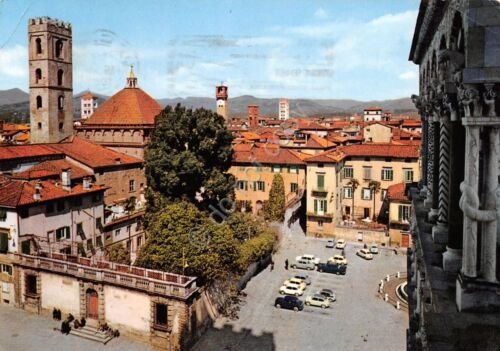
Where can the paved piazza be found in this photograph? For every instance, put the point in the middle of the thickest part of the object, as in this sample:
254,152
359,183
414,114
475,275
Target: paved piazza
358,320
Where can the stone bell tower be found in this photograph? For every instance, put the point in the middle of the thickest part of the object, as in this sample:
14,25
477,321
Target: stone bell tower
221,96
51,80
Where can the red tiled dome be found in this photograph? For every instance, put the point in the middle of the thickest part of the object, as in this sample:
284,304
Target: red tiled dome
128,106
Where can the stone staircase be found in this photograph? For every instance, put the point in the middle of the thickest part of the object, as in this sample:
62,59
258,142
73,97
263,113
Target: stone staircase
91,333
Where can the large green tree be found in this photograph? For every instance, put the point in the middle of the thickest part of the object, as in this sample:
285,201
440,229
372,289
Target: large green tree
119,254
184,240
188,158
275,207
354,184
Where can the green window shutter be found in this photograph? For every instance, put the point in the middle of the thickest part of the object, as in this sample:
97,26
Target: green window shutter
326,209
25,247
321,181
315,206
4,242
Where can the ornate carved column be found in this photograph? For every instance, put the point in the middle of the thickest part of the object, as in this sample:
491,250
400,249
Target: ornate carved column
440,230
430,162
433,213
424,157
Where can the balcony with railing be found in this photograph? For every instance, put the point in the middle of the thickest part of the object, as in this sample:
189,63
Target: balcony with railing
147,280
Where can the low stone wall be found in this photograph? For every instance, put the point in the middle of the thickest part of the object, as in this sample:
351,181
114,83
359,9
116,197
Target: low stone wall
363,235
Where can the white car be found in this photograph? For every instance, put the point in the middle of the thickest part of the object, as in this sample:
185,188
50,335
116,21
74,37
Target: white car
340,244
291,290
310,258
374,249
317,300
330,244
365,253
297,282
338,259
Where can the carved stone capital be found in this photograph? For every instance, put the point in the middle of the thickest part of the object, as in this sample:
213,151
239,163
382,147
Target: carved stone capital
489,98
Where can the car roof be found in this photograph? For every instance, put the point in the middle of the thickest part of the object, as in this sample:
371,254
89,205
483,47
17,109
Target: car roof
319,296
327,290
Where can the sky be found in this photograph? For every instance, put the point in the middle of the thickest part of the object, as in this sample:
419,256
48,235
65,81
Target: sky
332,49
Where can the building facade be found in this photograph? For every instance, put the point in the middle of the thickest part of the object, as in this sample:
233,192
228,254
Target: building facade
283,110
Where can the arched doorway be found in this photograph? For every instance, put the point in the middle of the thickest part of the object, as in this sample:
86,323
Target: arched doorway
92,304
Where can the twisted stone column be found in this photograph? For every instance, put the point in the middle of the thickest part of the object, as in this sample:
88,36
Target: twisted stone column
430,162
433,213
424,158
440,230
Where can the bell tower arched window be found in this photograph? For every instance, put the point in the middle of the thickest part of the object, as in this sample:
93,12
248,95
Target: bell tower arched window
59,48
60,102
38,75
38,45
60,77
38,102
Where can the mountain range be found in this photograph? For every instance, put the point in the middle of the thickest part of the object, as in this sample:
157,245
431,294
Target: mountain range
15,102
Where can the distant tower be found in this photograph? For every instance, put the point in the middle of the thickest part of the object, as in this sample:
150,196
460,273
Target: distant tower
88,105
51,80
253,116
131,79
284,110
222,104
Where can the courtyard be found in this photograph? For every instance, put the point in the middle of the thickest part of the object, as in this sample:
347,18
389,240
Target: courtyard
358,320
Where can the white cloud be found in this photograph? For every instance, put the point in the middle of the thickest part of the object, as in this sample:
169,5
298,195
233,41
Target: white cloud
14,61
321,14
261,41
408,75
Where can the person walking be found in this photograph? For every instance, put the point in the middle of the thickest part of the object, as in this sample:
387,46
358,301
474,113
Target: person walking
272,265
286,264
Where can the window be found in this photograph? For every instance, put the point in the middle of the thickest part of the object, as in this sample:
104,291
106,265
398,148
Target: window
61,125
366,194
161,316
387,173
38,102
98,241
383,193
98,223
60,206
90,245
39,126
60,103
79,230
347,193
407,175
49,208
5,268
108,236
293,169
367,173
139,241
320,224
348,172
4,242
259,186
366,214
117,233
59,48
38,45
3,215
129,229
242,185
131,185
276,168
60,77
320,207
62,233
294,187
320,181
404,213
31,285
38,75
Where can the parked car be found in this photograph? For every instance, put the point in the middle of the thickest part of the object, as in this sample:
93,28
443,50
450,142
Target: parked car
289,302
330,267
340,244
373,249
297,282
303,264
330,244
304,277
338,259
291,290
311,258
318,301
365,253
328,293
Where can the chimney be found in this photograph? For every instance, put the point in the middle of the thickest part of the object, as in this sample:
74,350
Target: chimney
253,116
117,161
36,195
87,183
66,179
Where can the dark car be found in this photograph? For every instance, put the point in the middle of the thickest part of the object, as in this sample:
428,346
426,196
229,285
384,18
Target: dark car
328,293
330,267
289,302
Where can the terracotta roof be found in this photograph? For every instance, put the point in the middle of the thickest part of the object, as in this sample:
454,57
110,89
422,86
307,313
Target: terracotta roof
310,125
93,155
243,147
15,193
331,156
382,150
372,109
128,106
412,122
88,96
267,155
14,126
51,169
316,142
396,192
250,135
13,152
